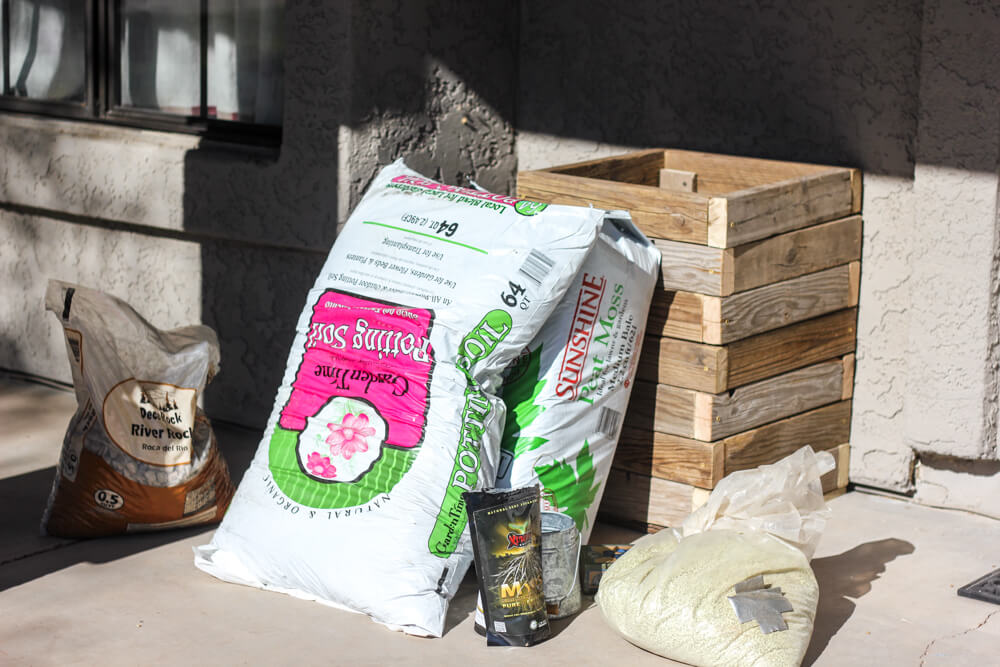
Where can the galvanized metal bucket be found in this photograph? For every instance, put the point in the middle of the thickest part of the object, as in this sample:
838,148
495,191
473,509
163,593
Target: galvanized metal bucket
560,564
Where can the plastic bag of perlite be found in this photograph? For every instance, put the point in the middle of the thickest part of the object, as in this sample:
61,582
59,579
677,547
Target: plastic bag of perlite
387,412
139,454
567,392
732,586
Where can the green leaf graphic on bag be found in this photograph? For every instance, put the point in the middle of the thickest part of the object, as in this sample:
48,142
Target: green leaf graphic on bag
573,486
520,390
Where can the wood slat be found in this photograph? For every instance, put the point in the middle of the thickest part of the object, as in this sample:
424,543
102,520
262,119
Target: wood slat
684,363
677,315
769,400
721,174
854,280
681,216
718,368
664,408
723,271
709,417
669,456
833,483
857,190
823,428
640,168
650,503
765,210
694,462
791,347
631,497
695,268
838,477
718,320
780,304
848,389
796,253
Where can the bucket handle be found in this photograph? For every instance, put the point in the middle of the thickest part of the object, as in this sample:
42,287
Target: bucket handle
576,572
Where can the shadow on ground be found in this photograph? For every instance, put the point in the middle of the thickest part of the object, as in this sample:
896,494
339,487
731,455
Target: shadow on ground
25,555
846,576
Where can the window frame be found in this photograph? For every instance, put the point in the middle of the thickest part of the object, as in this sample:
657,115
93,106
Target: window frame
103,85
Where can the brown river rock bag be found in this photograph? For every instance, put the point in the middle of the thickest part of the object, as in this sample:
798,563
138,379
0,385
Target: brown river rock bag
139,454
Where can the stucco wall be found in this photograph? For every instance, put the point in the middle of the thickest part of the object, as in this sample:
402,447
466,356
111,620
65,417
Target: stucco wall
232,236
434,82
907,91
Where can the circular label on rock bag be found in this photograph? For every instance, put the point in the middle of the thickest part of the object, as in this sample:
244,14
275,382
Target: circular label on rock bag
150,421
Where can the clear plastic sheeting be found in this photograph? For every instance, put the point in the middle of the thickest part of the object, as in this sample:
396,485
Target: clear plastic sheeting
672,592
784,499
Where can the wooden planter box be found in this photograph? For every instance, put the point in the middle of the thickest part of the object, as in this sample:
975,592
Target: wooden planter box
714,200
749,344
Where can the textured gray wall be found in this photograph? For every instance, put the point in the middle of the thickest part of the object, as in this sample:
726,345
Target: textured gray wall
191,231
434,82
905,90
814,81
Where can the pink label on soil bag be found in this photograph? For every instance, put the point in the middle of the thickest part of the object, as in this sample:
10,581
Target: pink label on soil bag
374,351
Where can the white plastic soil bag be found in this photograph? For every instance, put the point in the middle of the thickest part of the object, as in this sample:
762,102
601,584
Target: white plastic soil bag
732,586
567,392
139,454
388,410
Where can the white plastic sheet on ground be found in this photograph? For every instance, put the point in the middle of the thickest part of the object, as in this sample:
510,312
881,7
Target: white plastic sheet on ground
671,593
388,408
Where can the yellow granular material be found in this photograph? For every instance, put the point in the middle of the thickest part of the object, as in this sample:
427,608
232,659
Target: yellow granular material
671,597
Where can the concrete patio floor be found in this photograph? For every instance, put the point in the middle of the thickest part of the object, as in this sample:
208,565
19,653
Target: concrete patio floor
887,569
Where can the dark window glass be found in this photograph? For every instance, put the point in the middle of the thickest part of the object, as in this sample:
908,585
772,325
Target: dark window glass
245,68
209,66
161,56
46,47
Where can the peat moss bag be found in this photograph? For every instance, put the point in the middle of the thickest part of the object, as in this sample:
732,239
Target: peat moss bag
567,392
732,586
388,410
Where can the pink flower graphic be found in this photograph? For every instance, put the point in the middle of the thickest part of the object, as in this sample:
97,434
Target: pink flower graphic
348,437
320,466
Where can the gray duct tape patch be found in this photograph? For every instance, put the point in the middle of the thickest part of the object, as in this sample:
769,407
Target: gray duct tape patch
756,601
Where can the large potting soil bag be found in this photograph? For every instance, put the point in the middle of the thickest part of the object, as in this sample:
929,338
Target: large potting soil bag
566,394
388,410
139,454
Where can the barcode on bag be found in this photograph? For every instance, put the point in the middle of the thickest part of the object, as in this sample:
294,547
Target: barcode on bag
499,626
608,421
536,267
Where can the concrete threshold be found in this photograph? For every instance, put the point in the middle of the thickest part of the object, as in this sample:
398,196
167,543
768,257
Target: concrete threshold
888,572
